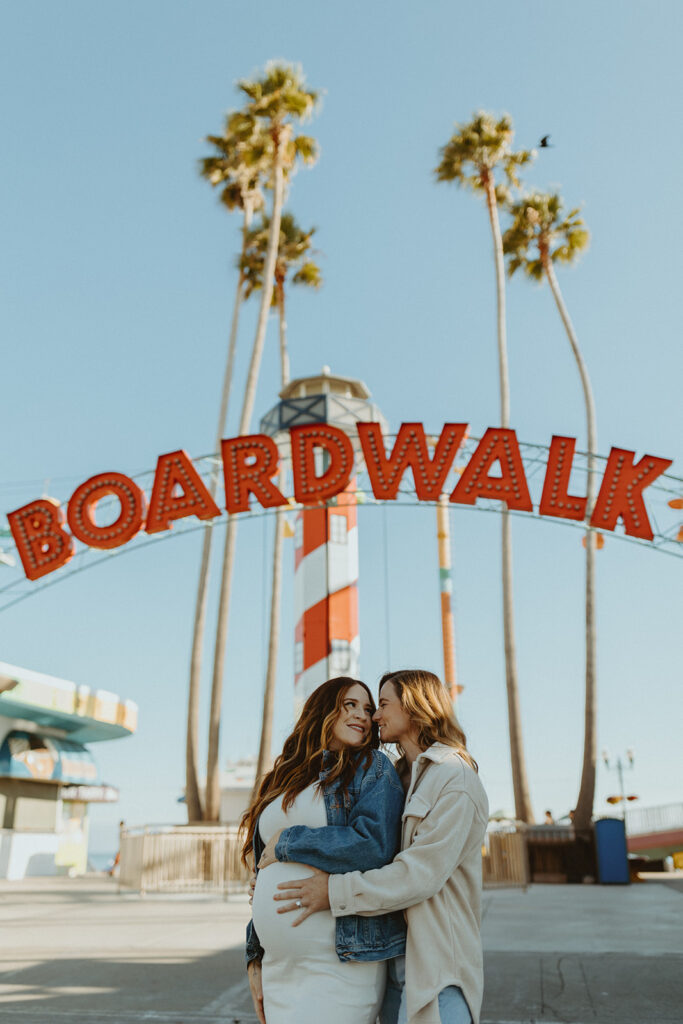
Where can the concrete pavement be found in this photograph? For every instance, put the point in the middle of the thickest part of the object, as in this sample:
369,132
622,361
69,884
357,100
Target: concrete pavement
584,953
77,952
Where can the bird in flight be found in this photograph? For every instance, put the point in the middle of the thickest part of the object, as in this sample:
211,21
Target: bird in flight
545,143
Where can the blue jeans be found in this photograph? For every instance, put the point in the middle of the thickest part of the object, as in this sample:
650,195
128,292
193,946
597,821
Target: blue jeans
453,1008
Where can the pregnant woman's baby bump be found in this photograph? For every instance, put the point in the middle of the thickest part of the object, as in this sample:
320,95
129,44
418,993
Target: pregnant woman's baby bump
275,931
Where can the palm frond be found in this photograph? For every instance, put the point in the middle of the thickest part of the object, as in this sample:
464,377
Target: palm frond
307,148
279,93
308,274
294,253
538,224
241,162
477,148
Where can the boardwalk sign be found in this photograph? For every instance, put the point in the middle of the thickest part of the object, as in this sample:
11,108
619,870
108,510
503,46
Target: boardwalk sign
44,532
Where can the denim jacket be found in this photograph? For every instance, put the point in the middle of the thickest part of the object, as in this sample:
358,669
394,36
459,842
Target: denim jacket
363,832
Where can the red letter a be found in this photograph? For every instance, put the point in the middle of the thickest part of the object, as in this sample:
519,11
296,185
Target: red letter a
41,542
175,470
497,445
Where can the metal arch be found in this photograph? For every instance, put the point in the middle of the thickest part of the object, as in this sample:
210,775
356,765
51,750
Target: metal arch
665,521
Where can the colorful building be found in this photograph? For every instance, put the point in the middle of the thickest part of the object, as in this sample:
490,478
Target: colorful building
48,775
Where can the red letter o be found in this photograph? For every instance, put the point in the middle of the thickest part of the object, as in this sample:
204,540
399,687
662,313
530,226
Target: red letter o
82,506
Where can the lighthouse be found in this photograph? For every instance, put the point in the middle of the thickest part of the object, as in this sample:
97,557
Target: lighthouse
326,634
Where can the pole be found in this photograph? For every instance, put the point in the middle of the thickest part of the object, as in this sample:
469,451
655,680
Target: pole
620,771
446,588
619,768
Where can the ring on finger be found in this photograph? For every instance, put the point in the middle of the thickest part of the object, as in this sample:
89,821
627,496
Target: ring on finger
298,903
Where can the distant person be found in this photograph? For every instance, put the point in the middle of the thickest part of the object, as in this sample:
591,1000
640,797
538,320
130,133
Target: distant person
117,858
548,820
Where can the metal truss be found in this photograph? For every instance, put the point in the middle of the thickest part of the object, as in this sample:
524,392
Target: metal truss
665,519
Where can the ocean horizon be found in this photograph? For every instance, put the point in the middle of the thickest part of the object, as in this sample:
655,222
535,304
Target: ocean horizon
100,861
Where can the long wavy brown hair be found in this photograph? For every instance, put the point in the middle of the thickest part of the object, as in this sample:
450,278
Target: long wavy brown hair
301,760
427,703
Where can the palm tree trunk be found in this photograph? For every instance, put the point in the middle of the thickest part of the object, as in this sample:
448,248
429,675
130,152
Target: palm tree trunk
284,353
192,795
265,745
584,806
520,784
212,772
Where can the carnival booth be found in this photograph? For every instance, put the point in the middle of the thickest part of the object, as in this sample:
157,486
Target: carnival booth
48,776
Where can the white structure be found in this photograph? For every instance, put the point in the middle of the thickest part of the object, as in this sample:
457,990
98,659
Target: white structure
236,786
237,783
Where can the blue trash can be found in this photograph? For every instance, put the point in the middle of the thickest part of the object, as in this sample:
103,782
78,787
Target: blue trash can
610,846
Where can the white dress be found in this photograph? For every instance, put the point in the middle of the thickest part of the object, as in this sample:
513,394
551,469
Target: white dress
304,981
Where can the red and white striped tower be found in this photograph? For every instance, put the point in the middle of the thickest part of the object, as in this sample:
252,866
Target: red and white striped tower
326,640
326,637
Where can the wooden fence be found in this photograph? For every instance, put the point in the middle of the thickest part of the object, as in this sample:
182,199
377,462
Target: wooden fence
194,858
504,859
182,858
560,854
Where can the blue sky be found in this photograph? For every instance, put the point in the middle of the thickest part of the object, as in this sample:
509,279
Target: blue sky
116,287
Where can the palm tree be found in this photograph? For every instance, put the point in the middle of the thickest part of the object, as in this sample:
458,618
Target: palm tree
294,248
238,167
275,101
472,158
539,220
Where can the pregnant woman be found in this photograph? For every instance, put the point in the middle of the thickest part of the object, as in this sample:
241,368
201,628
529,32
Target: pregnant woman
333,801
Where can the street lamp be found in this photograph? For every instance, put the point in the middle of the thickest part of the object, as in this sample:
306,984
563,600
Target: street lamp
619,767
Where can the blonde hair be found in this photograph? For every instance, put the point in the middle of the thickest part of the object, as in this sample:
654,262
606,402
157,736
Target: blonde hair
427,703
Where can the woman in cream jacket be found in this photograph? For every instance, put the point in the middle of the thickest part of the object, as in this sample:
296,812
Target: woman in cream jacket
436,878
